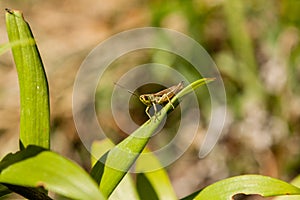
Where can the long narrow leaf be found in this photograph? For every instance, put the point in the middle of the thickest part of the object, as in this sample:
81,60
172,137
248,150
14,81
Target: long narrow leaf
119,160
34,97
158,180
145,188
247,184
126,189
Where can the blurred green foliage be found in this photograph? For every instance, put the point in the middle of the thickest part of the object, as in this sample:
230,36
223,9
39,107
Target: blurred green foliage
255,45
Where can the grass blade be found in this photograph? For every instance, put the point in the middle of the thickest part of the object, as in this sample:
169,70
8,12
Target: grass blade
126,189
157,181
34,95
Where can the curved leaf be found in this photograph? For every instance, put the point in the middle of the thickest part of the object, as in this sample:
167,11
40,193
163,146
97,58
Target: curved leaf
51,171
158,179
34,97
145,189
119,159
247,184
126,189
295,182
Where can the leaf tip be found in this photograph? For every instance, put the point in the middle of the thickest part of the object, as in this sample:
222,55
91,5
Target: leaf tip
9,10
14,12
208,80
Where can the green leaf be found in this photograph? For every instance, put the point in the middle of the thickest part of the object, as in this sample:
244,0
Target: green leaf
99,148
48,170
126,188
30,151
29,192
191,87
247,184
11,158
119,159
4,190
145,189
158,180
295,182
34,97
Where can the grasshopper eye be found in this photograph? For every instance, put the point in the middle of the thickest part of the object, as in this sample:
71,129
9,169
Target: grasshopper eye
143,98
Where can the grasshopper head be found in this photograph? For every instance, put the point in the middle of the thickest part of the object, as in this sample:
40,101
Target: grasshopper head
145,99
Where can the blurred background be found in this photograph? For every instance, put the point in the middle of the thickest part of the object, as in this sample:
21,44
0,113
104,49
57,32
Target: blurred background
255,45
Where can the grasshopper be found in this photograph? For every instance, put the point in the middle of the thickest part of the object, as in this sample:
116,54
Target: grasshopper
160,97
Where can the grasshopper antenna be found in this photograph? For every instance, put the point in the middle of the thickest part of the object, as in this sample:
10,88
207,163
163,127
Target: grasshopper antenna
127,90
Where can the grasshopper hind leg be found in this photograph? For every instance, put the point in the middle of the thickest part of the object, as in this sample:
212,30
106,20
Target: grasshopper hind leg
166,95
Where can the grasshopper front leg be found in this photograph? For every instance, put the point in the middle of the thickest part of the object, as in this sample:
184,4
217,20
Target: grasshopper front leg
147,112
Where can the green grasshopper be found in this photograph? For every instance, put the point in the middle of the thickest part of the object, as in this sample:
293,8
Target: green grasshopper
160,97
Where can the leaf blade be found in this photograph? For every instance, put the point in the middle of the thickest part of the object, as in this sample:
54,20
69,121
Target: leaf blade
126,188
247,184
158,179
50,171
34,94
296,182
